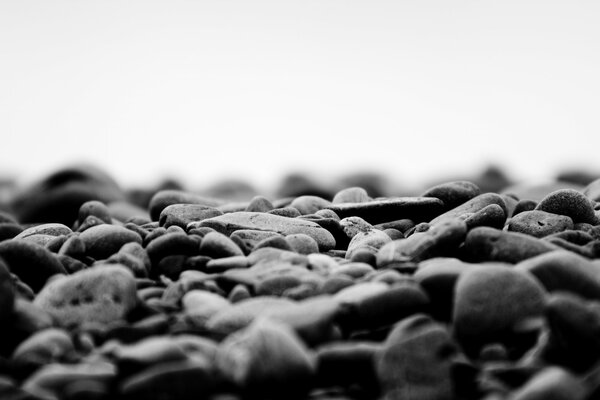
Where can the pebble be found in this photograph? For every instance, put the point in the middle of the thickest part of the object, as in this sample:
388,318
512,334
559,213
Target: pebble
164,198
301,243
102,241
7,293
308,204
453,193
539,223
96,209
51,229
552,383
472,206
267,360
183,214
229,223
217,245
354,194
101,294
259,204
490,303
592,190
571,203
418,209
371,240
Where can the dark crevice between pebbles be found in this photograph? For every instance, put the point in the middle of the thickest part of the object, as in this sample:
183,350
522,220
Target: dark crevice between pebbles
471,289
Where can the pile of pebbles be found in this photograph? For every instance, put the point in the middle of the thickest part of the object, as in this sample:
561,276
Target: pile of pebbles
452,294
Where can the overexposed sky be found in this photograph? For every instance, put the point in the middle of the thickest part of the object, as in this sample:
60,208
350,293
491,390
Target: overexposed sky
252,89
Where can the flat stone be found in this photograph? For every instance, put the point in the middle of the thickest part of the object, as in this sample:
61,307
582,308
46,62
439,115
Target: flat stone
165,198
229,223
183,214
378,211
52,229
472,206
101,294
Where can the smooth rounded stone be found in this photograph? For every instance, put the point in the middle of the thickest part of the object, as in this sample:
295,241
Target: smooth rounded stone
241,314
372,240
202,304
574,332
259,204
226,263
104,240
539,223
308,204
348,363
524,205
217,245
592,190
302,243
353,269
58,196
51,380
136,250
402,225
489,244
187,379
571,203
267,360
74,247
553,383
416,361
453,193
229,223
354,225
89,222
51,229
438,277
437,241
492,303
289,212
7,293
354,194
250,237
472,206
9,230
589,250
101,294
172,244
393,234
32,263
165,198
564,271
94,208
271,254
46,346
239,293
277,242
327,213
39,239
360,291
377,211
335,283
492,215
183,214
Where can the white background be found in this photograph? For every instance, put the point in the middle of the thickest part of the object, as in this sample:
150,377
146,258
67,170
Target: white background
252,89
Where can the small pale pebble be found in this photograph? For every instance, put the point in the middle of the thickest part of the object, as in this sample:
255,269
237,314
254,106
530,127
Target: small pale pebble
352,194
259,204
373,240
302,243
308,204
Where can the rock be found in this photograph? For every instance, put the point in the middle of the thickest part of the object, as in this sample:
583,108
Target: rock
104,240
492,303
52,229
592,190
46,346
563,271
259,204
372,240
437,241
249,238
552,383
354,225
377,211
492,215
302,243
202,305
539,223
524,205
101,294
276,242
267,360
416,361
96,209
229,223
489,244
348,363
571,203
183,214
353,194
172,244
32,263
308,204
165,198
217,245
471,206
453,193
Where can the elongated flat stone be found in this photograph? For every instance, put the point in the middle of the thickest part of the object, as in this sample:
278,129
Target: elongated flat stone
229,223
418,209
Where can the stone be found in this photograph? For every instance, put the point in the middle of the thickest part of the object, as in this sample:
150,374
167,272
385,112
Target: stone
165,198
302,243
571,203
172,244
471,206
352,194
492,216
308,204
277,242
524,205
229,223
552,383
104,240
564,271
489,244
202,305
416,361
32,263
348,363
267,360
453,193
592,190
437,241
52,229
183,214
74,247
259,204
372,240
539,223
491,303
51,345
354,225
94,208
217,245
101,294
377,211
